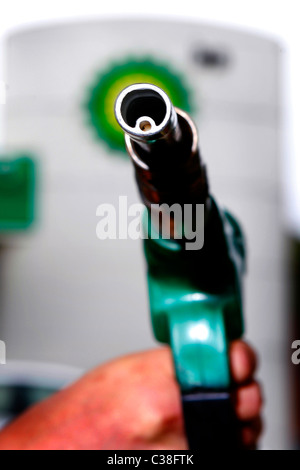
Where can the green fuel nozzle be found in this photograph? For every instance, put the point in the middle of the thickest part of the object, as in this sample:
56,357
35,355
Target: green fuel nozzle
195,290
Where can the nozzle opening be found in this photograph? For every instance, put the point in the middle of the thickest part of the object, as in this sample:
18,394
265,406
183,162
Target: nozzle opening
146,114
143,103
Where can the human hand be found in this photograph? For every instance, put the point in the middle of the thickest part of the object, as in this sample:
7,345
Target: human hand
129,403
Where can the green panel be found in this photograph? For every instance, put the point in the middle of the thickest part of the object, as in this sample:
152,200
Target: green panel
17,193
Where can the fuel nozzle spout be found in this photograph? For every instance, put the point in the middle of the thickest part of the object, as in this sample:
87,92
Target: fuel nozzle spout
147,116
162,142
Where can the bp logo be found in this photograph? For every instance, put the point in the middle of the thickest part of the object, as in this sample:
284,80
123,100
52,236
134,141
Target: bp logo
112,80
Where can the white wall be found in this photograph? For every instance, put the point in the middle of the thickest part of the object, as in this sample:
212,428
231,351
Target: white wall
278,18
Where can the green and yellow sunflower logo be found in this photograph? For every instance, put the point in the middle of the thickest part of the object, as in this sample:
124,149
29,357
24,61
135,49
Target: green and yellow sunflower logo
112,80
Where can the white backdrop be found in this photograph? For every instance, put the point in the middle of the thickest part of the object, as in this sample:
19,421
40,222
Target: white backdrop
278,18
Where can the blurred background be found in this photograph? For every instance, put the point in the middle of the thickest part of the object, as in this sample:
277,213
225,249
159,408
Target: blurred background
69,299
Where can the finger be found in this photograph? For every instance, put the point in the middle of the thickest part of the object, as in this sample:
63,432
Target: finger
251,433
249,401
243,361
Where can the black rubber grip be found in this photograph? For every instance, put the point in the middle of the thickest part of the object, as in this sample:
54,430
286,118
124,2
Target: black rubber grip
210,420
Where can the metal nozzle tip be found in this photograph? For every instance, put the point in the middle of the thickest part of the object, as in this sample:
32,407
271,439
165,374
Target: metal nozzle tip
145,113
